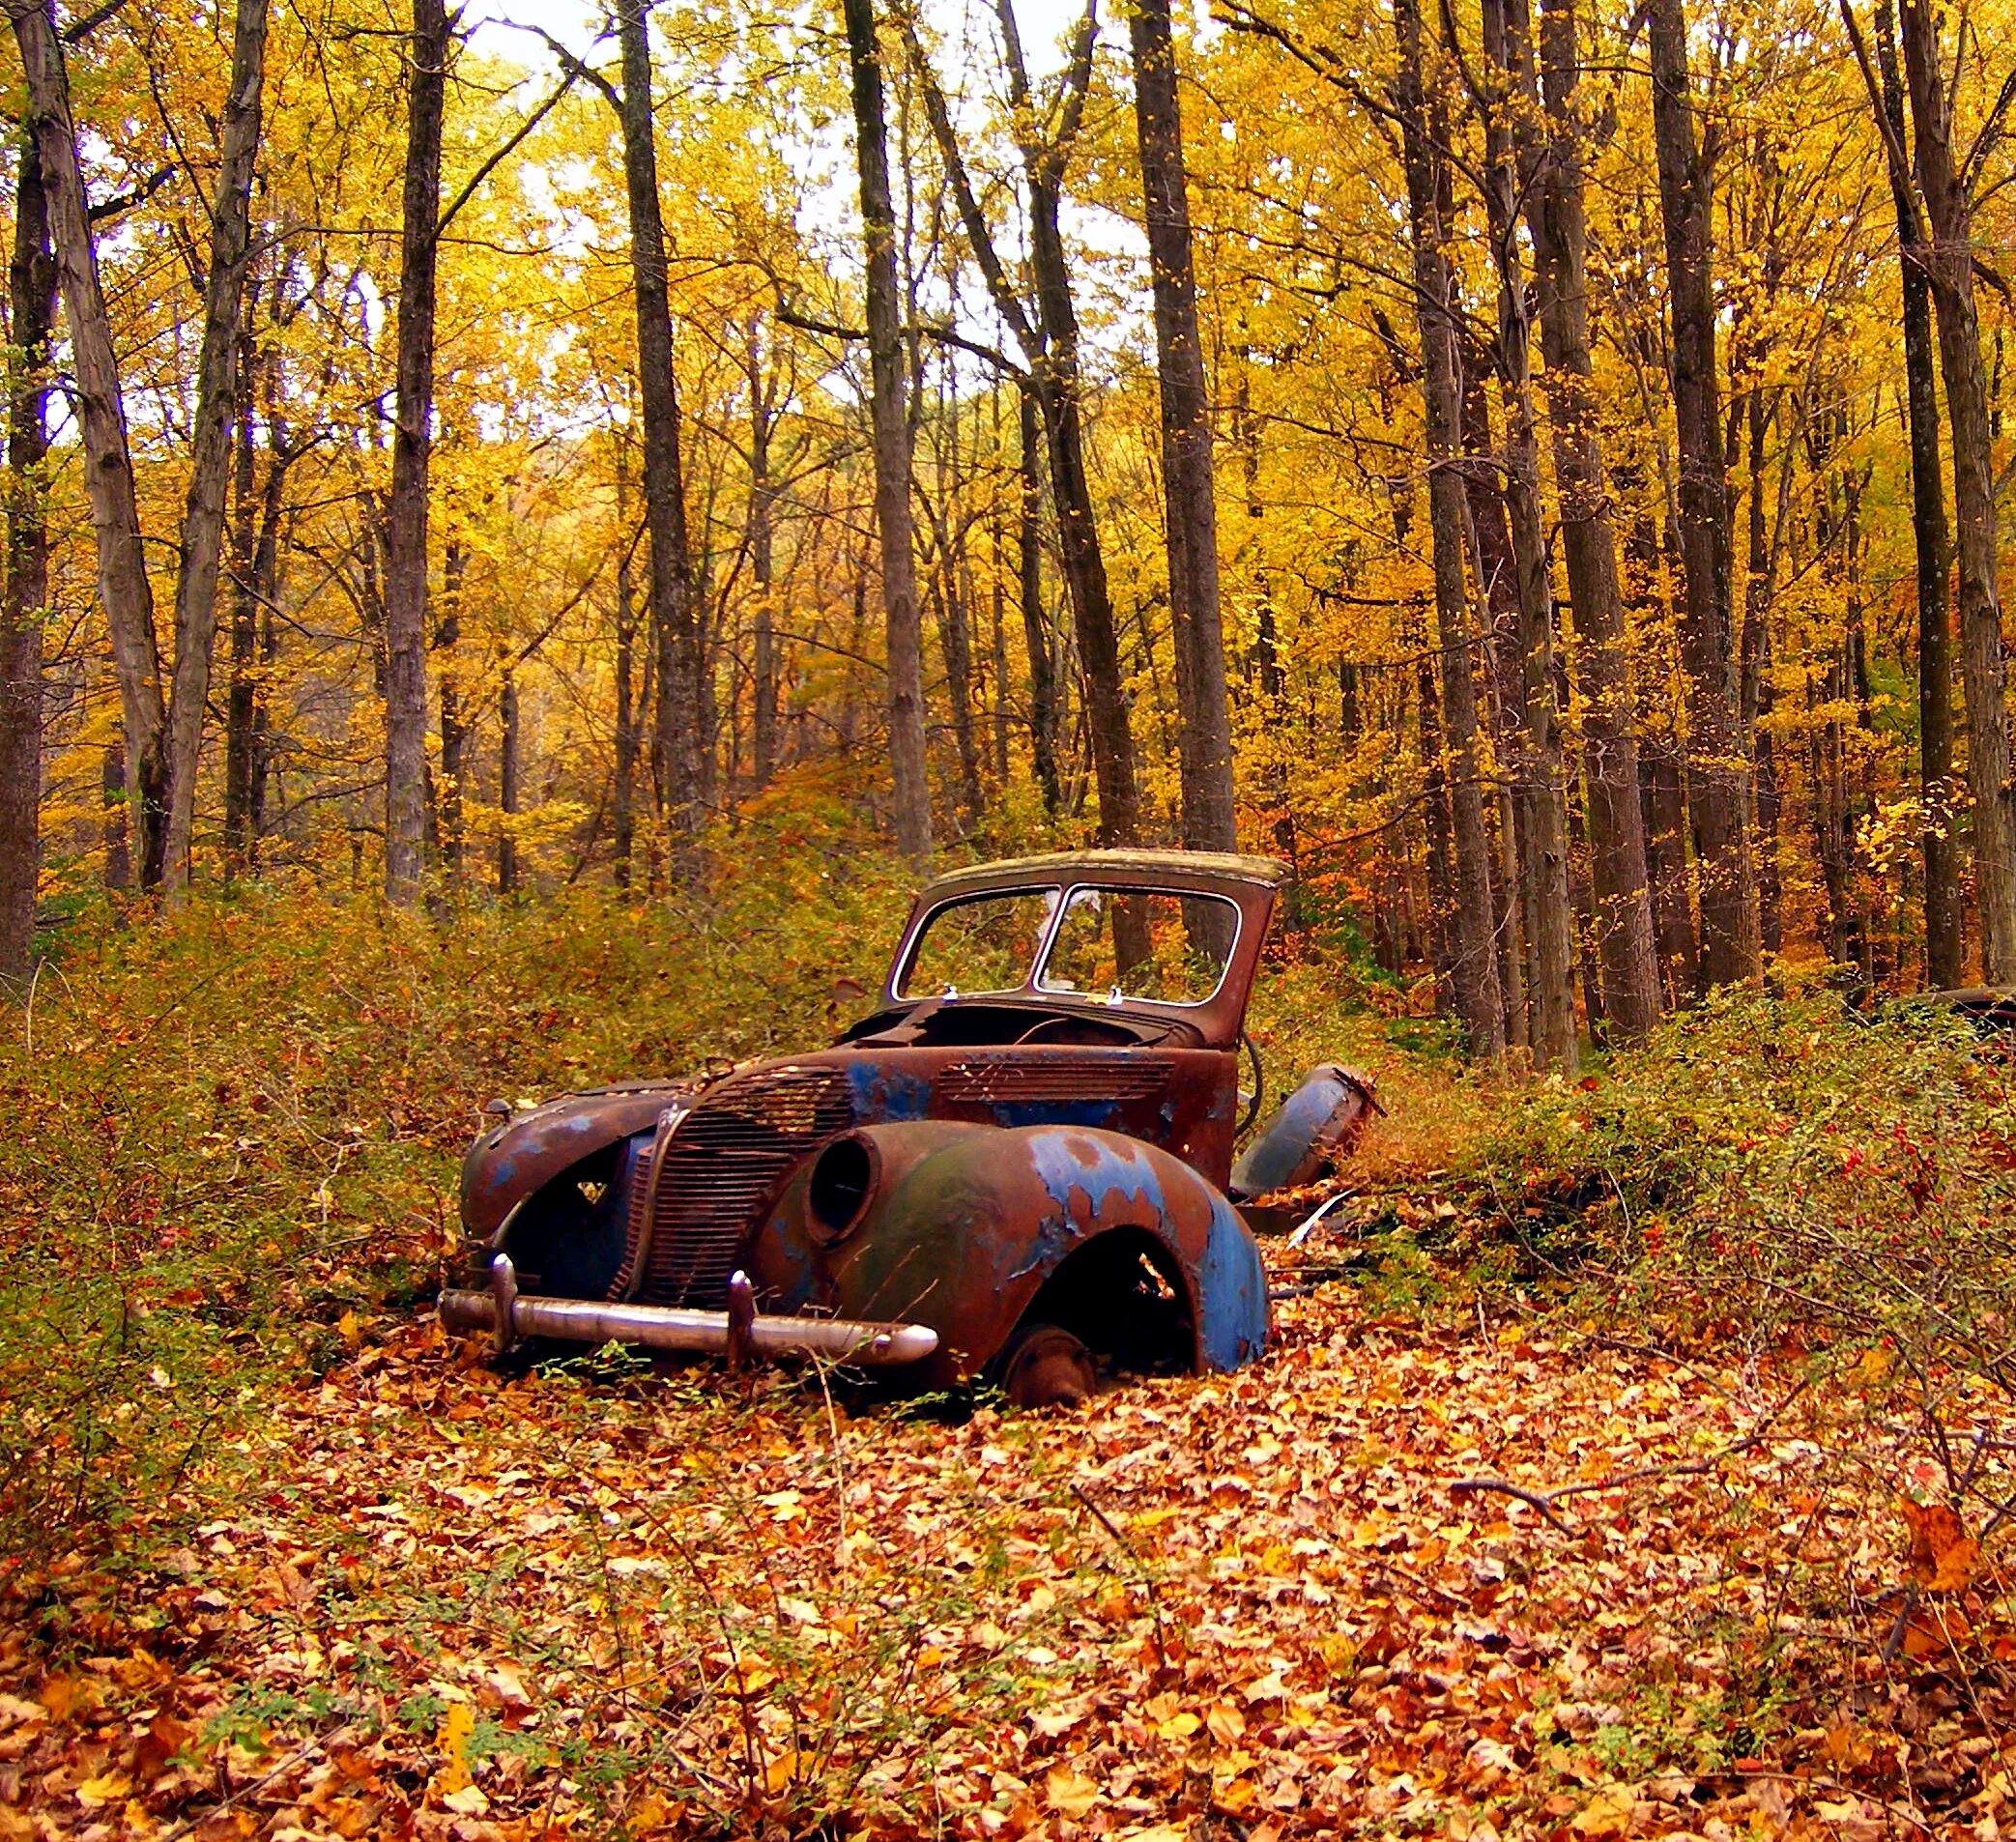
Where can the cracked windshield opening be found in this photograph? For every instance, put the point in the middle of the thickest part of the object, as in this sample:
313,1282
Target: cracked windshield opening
1172,949
985,945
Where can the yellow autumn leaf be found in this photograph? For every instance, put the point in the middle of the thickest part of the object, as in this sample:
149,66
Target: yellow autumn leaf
1068,1794
649,1813
109,1787
781,1770
456,1727
1607,1813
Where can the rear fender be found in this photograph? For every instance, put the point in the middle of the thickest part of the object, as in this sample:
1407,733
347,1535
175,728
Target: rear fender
964,1224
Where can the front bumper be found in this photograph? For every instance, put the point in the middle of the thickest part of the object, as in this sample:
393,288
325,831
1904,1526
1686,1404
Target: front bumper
506,1315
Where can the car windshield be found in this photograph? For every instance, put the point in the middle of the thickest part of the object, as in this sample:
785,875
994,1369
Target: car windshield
985,943
1141,944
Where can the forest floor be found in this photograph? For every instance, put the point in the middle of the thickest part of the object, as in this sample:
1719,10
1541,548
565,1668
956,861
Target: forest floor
594,1602
1715,1338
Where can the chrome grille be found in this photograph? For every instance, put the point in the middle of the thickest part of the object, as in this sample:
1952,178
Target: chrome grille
717,1171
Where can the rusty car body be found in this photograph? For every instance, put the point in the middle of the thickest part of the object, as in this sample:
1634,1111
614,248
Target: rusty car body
1015,1168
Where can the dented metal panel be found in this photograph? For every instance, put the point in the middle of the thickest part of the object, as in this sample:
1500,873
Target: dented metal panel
1317,1126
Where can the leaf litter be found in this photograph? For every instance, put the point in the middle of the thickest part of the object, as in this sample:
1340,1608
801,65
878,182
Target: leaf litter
595,1600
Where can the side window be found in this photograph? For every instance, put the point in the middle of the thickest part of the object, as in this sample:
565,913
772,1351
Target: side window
1141,944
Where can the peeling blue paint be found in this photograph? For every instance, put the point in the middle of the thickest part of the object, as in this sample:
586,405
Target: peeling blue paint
1100,1168
1054,1240
880,1092
1233,1289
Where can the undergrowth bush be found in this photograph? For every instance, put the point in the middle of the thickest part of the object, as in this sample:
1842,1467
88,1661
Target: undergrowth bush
230,1127
1790,1175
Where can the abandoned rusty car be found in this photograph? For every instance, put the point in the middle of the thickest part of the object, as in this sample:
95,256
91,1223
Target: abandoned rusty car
1015,1170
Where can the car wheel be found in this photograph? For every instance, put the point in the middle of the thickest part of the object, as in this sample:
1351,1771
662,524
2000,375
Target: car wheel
1048,1366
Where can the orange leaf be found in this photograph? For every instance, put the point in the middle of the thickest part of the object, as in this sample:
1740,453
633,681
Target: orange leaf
1942,1555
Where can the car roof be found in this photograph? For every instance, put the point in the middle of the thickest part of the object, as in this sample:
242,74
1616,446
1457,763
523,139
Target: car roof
1192,869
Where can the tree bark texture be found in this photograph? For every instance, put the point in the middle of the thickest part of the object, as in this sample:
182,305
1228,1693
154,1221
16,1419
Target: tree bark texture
624,794
32,314
413,446
124,589
763,568
454,727
255,556
1488,539
1542,795
507,782
1948,267
1190,504
1473,971
888,386
675,625
217,387
1625,948
1035,625
1718,769
1931,538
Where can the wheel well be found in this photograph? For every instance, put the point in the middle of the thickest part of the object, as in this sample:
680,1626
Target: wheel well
1124,1295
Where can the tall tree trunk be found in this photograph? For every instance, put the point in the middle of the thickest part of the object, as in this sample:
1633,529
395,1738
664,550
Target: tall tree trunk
1473,971
218,387
954,618
1755,698
1439,935
1205,737
124,590
675,623
1085,561
1949,266
413,449
623,797
1541,788
454,730
1497,595
117,819
1049,343
762,570
1717,755
507,782
1662,791
1626,947
1035,628
254,569
890,426
1944,948
32,313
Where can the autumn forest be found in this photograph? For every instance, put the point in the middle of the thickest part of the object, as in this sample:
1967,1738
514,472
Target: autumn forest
1536,473
532,530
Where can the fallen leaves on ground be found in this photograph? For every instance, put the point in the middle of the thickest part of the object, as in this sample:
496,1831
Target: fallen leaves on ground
586,1603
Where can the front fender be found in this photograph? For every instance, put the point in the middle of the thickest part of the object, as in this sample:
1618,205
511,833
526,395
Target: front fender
518,1159
965,1223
